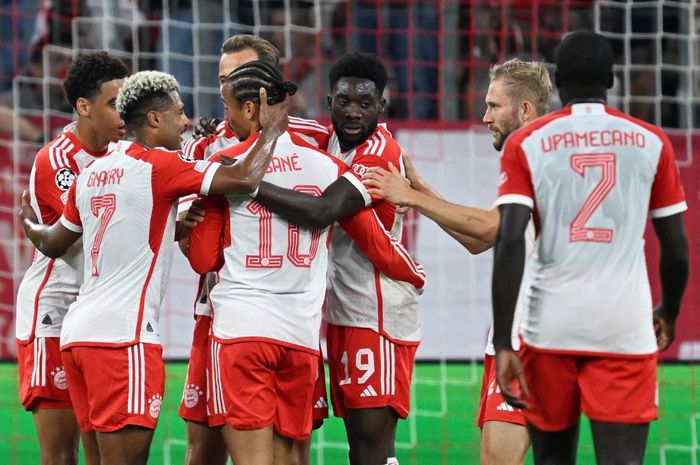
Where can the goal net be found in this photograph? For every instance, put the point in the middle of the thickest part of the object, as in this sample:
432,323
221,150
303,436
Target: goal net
438,54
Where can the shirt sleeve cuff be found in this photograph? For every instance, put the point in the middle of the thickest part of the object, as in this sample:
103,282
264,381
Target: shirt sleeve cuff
670,210
70,225
516,198
360,187
208,178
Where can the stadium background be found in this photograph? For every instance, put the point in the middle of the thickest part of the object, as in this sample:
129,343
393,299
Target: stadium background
438,53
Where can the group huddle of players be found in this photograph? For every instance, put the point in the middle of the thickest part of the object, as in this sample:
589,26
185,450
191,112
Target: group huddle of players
287,221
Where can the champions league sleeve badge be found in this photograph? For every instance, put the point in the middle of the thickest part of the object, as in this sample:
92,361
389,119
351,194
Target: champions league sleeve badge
64,179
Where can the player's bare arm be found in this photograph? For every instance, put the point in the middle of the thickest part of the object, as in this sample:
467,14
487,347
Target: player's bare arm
340,199
508,266
53,241
673,270
245,177
474,228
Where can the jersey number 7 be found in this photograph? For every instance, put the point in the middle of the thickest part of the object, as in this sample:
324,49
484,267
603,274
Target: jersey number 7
107,203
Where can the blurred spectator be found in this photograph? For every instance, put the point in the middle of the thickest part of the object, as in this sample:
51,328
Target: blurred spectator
405,35
18,23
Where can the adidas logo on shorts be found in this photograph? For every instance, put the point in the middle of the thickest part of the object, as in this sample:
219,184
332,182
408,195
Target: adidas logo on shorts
369,392
321,403
506,407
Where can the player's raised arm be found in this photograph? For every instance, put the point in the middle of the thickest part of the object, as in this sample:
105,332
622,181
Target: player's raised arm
244,177
54,240
474,228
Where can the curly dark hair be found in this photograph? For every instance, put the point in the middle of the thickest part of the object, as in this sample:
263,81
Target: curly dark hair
245,81
584,59
359,65
87,74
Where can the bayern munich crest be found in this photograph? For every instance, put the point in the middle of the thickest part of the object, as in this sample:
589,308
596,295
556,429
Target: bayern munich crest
59,378
154,404
192,395
64,179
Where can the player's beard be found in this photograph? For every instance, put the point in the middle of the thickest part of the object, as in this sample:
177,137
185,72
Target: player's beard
503,132
348,143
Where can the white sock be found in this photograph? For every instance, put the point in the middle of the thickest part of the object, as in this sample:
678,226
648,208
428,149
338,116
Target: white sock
392,461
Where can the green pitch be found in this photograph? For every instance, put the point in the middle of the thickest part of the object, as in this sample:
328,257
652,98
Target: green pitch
441,428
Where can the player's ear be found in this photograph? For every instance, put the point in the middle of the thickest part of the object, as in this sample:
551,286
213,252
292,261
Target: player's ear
382,104
153,118
250,110
526,110
329,99
82,106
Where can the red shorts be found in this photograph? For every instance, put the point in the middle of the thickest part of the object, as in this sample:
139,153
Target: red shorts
264,384
42,379
195,405
368,370
607,389
492,407
320,399
115,387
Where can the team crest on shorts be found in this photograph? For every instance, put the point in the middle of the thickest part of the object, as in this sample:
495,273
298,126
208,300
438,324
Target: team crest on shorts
192,395
64,179
59,378
154,404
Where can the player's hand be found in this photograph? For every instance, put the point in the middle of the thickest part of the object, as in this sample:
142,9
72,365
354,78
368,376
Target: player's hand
26,212
509,368
389,185
412,173
273,119
205,127
226,160
664,329
194,215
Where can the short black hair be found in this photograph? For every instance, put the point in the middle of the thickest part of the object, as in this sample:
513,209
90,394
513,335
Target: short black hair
359,65
88,72
245,82
584,59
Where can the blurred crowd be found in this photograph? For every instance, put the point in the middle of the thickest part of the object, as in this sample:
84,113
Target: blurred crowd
438,52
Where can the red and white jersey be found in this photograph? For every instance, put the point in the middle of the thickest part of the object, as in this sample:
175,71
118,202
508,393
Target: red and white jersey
50,285
125,206
592,175
273,273
359,295
204,147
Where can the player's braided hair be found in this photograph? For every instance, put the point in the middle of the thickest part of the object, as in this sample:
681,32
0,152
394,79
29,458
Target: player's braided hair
143,92
245,81
87,74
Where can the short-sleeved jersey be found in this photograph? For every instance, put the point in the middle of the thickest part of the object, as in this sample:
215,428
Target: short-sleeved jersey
125,205
273,272
592,175
359,295
50,285
204,148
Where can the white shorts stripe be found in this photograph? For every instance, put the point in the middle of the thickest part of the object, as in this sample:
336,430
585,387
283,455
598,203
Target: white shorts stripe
130,394
393,368
381,365
142,367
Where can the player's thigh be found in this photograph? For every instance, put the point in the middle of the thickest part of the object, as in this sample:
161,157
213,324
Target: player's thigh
249,447
554,401
130,445
619,390
205,445
617,443
58,434
503,443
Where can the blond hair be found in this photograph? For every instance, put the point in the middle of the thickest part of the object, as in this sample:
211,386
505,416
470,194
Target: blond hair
143,92
266,52
527,80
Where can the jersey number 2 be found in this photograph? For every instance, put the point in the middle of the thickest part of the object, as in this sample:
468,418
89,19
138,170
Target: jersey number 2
264,258
108,203
578,231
